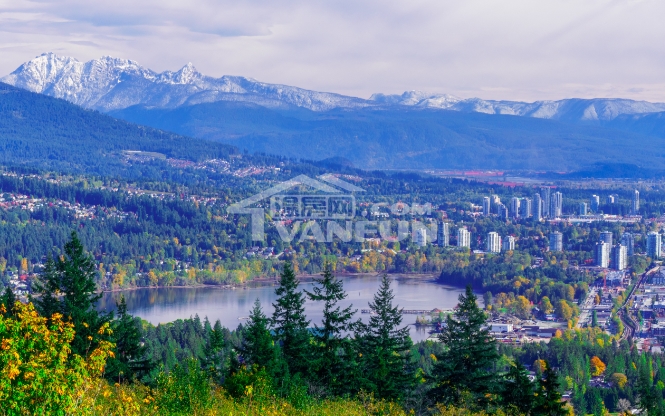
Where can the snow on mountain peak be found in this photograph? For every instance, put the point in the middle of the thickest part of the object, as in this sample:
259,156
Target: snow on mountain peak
110,83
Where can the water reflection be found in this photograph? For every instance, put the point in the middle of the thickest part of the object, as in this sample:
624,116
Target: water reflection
168,304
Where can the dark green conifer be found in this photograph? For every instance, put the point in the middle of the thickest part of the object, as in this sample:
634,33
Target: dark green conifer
385,366
518,390
258,348
129,361
214,349
7,300
48,287
333,347
68,287
290,324
465,372
548,398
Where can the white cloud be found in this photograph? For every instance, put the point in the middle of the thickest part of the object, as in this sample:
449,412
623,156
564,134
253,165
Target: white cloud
510,49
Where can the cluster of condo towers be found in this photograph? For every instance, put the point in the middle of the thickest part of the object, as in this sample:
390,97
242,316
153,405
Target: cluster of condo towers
547,204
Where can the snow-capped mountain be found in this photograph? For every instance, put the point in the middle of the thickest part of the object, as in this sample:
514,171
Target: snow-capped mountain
574,109
108,84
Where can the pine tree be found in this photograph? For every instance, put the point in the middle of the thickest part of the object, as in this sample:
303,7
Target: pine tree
518,390
290,324
333,347
214,350
258,347
548,398
465,370
8,299
650,399
130,360
385,367
217,336
68,287
48,287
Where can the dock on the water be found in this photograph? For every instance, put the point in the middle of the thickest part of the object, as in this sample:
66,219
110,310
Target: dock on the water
413,311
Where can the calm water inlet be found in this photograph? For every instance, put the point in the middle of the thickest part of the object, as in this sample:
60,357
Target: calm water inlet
161,305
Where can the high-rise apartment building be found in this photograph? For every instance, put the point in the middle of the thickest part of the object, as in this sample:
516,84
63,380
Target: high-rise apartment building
514,207
595,203
463,237
606,237
443,234
502,211
556,205
583,208
636,202
611,199
602,254
619,257
495,203
556,241
545,196
653,245
487,206
526,208
628,240
509,243
537,207
421,237
493,242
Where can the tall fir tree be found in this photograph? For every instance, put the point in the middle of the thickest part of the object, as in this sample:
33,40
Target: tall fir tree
518,390
465,371
258,348
290,324
214,358
129,361
48,287
385,366
548,398
68,287
7,300
333,348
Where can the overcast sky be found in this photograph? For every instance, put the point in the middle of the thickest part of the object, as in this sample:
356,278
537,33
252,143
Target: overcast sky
493,49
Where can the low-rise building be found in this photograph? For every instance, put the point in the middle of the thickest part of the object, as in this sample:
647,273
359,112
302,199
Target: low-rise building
500,328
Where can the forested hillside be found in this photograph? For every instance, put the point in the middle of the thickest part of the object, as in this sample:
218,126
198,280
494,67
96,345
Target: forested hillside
407,138
48,133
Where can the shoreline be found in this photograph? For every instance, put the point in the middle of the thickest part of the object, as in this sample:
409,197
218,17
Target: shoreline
271,280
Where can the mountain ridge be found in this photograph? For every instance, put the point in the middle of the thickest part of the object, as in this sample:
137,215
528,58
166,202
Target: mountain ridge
109,84
411,130
406,137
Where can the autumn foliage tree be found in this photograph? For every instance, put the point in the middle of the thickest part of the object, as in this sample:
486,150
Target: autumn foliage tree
619,380
597,366
39,373
563,310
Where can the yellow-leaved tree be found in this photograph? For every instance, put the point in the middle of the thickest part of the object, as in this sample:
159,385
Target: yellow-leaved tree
597,366
619,380
38,372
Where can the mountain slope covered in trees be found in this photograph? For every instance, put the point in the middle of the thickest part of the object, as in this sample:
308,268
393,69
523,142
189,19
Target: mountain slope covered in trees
407,138
48,133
